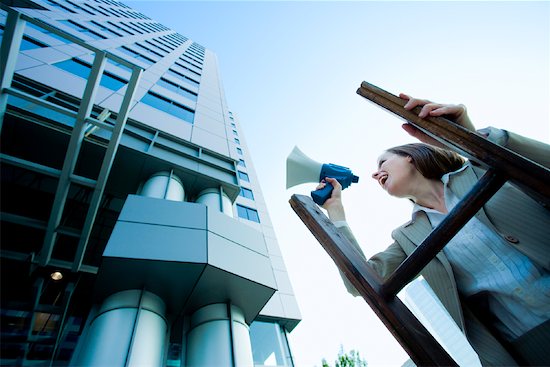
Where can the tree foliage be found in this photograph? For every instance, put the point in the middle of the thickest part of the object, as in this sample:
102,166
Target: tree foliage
351,359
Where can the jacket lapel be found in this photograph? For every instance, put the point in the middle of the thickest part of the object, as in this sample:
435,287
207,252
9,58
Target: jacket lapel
462,182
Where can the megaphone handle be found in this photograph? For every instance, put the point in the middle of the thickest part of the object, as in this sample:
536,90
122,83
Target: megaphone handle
321,195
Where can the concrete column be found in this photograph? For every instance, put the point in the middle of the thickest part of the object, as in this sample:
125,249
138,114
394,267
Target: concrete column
218,336
163,185
216,199
128,330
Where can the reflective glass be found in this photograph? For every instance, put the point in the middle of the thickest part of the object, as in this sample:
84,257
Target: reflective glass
111,82
269,344
253,215
182,113
241,212
178,89
74,67
29,44
64,40
168,107
247,193
243,176
248,213
83,70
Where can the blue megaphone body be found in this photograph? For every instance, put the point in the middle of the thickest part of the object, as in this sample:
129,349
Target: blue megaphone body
344,176
301,169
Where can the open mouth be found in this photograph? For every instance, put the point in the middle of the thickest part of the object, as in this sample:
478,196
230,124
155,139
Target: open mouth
382,180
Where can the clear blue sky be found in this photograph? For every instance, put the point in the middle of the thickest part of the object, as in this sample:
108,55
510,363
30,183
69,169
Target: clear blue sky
290,71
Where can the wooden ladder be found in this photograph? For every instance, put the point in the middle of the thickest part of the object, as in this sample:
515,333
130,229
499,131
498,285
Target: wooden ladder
502,165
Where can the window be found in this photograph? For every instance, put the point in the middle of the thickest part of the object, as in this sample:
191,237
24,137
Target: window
53,3
246,193
45,31
248,213
28,43
136,55
240,151
237,141
113,62
157,46
178,89
269,344
119,27
235,133
168,106
105,29
182,77
82,69
146,49
82,29
241,163
243,176
186,59
80,8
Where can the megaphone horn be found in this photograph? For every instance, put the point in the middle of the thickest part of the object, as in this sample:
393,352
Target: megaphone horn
301,169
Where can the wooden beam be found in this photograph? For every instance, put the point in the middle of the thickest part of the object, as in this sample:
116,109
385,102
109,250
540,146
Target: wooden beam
470,144
421,346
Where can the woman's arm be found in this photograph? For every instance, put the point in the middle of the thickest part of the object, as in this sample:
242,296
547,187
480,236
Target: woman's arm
383,263
529,148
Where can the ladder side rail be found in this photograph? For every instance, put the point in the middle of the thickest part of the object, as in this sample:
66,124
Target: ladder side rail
421,346
465,209
530,176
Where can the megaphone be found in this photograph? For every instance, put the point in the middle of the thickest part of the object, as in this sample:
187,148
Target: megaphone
301,169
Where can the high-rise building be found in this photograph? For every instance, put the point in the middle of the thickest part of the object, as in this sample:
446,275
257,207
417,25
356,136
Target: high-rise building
134,231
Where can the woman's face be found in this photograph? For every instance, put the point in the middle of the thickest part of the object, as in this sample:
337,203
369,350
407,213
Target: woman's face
396,174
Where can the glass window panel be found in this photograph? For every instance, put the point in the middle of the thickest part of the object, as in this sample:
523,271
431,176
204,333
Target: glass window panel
41,111
247,193
183,113
127,51
64,40
168,107
253,215
29,44
74,67
268,344
111,82
158,103
113,62
73,25
165,84
241,211
243,176
248,213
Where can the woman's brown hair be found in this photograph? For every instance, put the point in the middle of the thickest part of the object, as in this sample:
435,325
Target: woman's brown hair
432,162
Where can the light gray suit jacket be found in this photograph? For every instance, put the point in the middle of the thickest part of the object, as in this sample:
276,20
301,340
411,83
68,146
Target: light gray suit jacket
510,213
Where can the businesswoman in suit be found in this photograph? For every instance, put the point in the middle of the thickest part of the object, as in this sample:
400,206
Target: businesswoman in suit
497,268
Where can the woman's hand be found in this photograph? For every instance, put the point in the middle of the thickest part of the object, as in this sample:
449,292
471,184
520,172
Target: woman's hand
333,205
456,113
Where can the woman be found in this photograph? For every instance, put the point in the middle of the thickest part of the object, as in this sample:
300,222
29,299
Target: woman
497,268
